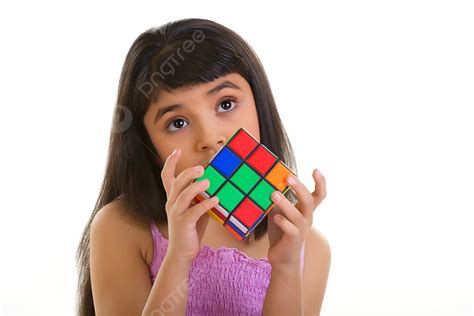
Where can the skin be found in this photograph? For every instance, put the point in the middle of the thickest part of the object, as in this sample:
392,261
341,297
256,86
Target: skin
205,123
199,130
124,287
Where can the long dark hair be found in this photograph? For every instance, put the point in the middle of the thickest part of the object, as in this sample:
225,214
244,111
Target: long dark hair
176,54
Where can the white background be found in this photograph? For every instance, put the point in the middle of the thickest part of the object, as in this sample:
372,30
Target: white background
379,95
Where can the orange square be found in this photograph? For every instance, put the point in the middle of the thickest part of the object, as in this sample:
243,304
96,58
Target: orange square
277,176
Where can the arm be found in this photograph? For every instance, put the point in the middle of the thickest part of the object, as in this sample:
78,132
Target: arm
290,294
317,262
169,294
119,272
284,293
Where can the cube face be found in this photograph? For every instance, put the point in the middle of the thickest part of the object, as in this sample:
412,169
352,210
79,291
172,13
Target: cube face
245,178
229,196
215,179
243,174
226,162
262,160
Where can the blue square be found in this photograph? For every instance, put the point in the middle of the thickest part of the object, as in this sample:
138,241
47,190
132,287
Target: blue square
226,162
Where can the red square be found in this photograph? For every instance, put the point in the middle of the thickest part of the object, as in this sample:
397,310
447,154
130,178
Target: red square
247,212
242,143
262,160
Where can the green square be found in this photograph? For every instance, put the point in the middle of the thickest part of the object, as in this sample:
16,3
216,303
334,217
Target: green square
215,179
229,196
262,194
245,178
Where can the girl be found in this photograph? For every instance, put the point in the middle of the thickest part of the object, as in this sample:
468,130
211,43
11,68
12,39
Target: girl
148,249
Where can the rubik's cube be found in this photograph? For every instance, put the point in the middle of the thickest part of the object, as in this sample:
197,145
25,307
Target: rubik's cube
243,174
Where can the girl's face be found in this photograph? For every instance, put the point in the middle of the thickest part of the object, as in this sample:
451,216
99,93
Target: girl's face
200,119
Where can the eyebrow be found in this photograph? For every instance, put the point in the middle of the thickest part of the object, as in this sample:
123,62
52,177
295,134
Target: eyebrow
169,108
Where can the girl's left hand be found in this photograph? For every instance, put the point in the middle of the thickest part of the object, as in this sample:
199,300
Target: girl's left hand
289,224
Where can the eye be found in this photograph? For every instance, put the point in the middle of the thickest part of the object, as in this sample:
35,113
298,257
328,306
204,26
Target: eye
177,123
227,105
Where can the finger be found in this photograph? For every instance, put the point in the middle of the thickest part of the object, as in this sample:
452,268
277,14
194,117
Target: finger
286,226
201,225
305,199
274,231
169,169
288,209
183,180
186,198
320,187
202,207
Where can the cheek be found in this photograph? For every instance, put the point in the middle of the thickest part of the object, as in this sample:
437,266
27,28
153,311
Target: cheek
162,154
252,122
184,163
162,150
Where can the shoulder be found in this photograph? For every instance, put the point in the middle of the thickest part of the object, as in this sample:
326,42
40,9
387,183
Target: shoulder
120,277
317,261
317,242
115,223
317,253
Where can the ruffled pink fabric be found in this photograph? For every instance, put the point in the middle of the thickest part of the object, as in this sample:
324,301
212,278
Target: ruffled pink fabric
223,281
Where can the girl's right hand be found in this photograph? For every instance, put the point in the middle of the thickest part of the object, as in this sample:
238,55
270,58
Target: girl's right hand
186,223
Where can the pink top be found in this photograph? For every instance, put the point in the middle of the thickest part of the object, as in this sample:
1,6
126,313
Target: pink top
223,281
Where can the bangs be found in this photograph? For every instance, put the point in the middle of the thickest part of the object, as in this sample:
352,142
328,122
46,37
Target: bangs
189,62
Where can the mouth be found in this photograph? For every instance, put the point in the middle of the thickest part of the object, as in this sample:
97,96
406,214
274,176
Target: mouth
205,162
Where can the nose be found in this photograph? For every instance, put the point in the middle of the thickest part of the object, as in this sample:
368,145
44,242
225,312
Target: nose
210,139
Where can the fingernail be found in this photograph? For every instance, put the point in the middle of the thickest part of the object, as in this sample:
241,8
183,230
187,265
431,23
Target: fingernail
291,180
198,169
318,172
174,153
276,196
204,183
